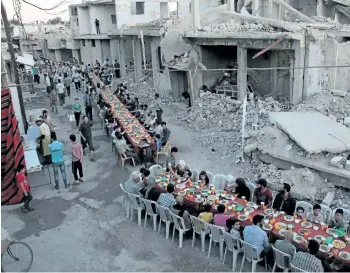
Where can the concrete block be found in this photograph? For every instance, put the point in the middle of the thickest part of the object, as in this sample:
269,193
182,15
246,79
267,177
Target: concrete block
314,132
347,121
347,165
339,93
328,199
335,161
251,147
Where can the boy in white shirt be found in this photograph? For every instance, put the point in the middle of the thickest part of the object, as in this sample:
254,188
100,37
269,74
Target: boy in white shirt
60,91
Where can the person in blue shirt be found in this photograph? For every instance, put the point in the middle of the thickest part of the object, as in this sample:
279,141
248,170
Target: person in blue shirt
158,140
256,236
56,149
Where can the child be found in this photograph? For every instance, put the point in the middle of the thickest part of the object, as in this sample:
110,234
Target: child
158,140
315,216
203,178
207,215
23,184
338,221
300,213
188,176
233,227
220,218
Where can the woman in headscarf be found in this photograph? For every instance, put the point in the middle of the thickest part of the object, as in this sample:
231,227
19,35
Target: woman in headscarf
242,189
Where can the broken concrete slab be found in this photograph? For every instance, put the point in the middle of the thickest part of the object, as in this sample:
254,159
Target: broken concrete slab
347,121
339,93
336,161
312,131
328,199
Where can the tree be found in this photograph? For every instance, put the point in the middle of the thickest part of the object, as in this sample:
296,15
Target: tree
55,21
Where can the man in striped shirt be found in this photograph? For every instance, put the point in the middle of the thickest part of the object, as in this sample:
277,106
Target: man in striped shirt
307,261
167,199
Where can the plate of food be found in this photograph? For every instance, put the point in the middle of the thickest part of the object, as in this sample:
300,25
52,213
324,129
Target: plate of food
319,238
306,224
298,239
280,226
230,197
250,204
205,194
180,186
288,218
199,200
212,197
268,211
181,193
248,210
281,232
242,217
330,231
338,244
267,227
324,248
219,192
223,202
344,255
302,231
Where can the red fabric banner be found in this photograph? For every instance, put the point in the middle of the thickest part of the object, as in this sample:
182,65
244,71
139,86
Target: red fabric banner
12,152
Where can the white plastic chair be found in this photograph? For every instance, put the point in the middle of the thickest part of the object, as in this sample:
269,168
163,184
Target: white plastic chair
155,170
251,254
233,244
195,176
305,205
150,212
211,177
216,236
346,215
296,269
280,260
199,227
252,188
179,224
326,213
219,181
164,214
125,201
136,204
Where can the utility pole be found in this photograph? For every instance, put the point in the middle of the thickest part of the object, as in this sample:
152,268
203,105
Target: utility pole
14,65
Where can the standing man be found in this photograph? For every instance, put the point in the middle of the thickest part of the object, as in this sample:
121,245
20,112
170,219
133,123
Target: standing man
67,81
77,158
48,83
36,74
45,138
155,106
56,149
76,79
97,24
23,184
54,100
88,104
116,69
60,92
86,136
30,82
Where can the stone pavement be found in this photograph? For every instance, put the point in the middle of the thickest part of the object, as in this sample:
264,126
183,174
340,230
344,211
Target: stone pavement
83,228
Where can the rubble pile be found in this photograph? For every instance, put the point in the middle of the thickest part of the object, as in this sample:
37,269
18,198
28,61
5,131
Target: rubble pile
227,27
334,107
144,90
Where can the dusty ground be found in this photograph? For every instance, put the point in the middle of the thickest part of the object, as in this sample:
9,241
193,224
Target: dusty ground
84,229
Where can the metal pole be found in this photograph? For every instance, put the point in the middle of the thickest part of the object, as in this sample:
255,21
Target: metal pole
14,65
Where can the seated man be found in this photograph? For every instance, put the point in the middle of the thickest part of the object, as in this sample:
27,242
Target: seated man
263,194
338,221
167,199
146,151
300,213
307,261
122,147
180,209
315,216
256,236
284,201
158,141
133,184
286,245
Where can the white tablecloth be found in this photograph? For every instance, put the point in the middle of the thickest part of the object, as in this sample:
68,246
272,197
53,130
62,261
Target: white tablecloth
32,161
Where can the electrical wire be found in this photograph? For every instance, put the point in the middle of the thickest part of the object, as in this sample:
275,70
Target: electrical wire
47,9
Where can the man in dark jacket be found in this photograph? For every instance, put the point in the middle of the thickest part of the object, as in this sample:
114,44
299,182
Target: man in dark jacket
284,201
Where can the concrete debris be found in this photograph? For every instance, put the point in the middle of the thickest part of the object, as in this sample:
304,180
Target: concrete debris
227,28
347,121
327,104
339,93
347,165
337,161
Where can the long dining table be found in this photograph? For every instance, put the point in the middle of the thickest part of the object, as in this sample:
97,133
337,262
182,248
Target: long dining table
134,130
275,223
